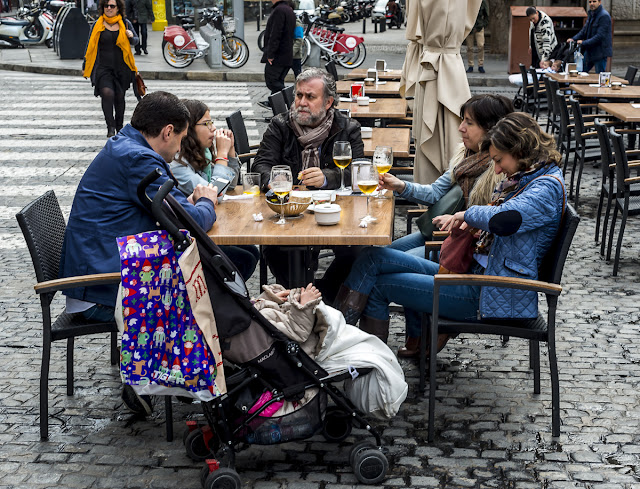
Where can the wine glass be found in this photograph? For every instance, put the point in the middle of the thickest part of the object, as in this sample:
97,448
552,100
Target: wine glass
342,159
382,160
281,182
367,179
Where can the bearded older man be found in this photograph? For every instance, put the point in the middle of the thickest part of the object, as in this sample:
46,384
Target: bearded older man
303,140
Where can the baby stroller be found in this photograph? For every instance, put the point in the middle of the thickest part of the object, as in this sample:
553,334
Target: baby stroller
259,360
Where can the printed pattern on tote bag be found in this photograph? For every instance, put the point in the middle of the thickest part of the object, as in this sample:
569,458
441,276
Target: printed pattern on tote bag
161,344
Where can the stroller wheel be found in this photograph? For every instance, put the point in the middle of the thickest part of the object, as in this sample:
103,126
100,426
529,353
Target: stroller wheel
518,103
358,448
336,425
196,447
370,466
223,478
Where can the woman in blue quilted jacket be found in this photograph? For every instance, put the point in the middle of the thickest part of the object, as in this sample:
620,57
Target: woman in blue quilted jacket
514,233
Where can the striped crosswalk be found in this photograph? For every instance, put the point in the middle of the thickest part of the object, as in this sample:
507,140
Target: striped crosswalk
51,128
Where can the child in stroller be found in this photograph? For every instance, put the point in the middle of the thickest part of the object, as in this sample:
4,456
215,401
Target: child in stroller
549,66
275,390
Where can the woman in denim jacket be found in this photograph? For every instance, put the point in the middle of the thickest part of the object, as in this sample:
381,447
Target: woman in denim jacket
515,234
471,168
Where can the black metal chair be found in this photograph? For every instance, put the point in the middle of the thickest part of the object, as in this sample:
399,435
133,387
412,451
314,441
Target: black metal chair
278,104
535,330
289,94
43,227
527,91
552,116
539,94
245,151
332,70
630,75
565,136
626,201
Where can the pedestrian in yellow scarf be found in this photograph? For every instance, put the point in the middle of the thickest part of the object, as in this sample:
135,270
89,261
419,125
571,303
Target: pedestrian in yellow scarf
109,62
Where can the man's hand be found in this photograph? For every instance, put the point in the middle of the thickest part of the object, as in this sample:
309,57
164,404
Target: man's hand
529,50
210,192
391,182
312,177
579,42
270,61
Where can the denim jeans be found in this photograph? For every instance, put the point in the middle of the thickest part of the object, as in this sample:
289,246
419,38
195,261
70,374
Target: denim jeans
387,275
411,243
600,65
99,313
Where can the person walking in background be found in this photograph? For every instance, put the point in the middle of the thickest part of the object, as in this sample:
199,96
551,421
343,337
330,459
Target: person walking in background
477,35
542,37
109,62
278,46
144,11
298,36
595,38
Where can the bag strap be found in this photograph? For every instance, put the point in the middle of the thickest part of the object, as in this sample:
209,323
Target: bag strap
564,195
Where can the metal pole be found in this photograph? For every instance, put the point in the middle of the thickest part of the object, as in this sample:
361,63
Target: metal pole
259,13
196,19
238,14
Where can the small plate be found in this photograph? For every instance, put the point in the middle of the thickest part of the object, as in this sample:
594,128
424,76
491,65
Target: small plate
311,207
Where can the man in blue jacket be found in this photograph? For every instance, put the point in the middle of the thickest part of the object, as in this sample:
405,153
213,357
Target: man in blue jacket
595,38
106,205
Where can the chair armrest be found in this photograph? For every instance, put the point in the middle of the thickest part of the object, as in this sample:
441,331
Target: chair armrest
504,282
441,235
589,134
247,155
632,180
633,164
629,131
401,169
433,245
254,146
417,212
78,281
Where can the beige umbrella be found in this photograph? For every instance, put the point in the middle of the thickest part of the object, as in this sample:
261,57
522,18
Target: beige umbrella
434,74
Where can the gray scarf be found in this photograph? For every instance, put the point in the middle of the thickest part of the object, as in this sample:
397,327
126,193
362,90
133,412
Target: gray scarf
310,138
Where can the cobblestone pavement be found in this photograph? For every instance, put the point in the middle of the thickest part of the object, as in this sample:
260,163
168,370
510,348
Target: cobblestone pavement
491,431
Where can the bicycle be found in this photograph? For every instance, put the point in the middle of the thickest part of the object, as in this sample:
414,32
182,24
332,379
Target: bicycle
347,50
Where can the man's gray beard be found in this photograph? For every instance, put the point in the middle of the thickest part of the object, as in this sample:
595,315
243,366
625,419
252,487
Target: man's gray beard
315,118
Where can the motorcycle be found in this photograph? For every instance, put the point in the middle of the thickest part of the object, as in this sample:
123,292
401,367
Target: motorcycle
181,45
32,26
394,20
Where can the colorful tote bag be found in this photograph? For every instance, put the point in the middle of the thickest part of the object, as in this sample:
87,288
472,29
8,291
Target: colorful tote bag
163,351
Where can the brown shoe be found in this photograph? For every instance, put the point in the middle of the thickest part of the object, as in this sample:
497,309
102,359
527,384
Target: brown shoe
350,303
376,327
411,349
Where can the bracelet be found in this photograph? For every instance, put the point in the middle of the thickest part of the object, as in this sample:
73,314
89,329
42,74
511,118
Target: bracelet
221,158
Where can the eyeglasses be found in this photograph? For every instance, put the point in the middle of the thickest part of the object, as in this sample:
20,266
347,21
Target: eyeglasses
209,124
110,6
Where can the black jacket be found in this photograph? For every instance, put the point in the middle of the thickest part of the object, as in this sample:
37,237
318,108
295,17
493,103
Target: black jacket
278,35
279,146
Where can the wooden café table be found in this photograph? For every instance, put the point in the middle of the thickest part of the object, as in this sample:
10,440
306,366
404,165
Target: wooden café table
399,138
622,110
628,92
235,225
389,88
382,108
591,78
361,74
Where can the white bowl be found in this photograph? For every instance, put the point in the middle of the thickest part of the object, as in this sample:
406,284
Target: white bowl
327,214
363,100
366,132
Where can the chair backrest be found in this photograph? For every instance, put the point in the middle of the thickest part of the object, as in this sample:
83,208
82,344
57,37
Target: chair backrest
535,81
622,163
554,86
525,78
563,109
549,94
553,262
605,146
43,226
278,105
630,76
235,122
332,70
288,95
577,119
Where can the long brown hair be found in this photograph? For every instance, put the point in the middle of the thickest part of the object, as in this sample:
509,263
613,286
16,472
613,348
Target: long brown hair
190,149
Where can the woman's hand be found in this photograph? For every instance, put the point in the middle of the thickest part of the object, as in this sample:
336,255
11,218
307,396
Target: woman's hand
448,222
229,133
391,182
224,143
129,33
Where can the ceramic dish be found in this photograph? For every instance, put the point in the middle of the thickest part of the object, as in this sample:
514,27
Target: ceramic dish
327,214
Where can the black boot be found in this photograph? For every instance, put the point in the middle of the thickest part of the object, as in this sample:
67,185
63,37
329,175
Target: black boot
350,303
111,131
376,327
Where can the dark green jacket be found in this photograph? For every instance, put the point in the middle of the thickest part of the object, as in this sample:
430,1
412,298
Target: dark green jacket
145,11
482,20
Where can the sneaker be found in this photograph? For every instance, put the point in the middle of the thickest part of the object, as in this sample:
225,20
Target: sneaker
480,69
265,104
470,69
136,403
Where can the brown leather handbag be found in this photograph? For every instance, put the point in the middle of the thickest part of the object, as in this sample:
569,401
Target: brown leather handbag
456,253
141,88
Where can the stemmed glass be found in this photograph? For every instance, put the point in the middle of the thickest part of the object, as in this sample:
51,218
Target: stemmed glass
367,179
281,182
342,159
382,160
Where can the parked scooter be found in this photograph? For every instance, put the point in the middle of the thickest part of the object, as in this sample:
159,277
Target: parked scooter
31,27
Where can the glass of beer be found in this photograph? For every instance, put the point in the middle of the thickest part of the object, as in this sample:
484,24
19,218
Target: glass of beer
281,183
367,178
342,159
382,160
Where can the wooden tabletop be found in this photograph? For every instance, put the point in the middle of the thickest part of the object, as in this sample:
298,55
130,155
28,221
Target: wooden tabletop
361,74
389,88
623,111
631,92
582,80
398,138
381,108
235,224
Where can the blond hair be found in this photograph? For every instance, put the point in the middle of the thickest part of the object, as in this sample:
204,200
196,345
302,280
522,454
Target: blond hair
484,185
